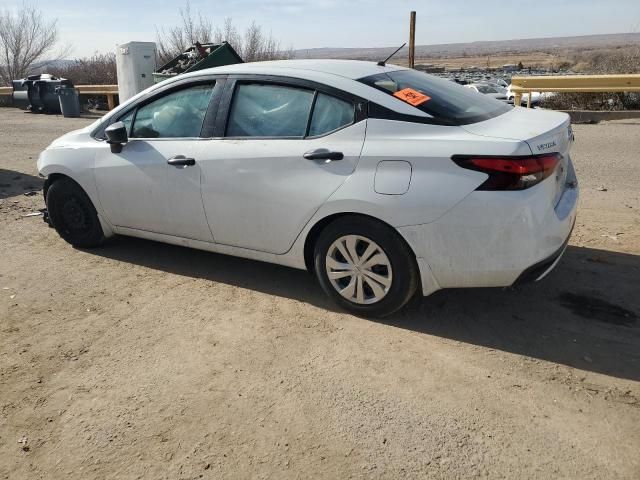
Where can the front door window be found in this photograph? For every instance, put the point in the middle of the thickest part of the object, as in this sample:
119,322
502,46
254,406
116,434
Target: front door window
176,115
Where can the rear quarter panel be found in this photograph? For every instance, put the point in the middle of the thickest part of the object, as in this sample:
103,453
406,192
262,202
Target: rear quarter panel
437,184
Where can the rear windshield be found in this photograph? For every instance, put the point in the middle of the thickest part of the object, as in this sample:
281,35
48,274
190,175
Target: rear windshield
442,99
486,89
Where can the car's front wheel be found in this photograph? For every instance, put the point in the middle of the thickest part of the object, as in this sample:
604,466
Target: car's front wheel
365,266
73,215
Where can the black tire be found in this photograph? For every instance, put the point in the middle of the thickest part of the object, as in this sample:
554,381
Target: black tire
73,215
405,277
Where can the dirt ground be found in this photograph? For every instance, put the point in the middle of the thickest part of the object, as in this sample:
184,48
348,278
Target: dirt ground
142,360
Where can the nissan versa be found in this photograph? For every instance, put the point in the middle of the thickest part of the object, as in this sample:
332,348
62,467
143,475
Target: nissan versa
381,180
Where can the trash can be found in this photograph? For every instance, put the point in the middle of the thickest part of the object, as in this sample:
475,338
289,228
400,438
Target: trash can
37,93
69,101
21,93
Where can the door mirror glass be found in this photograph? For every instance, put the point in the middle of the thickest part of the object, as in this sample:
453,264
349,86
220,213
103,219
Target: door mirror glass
116,134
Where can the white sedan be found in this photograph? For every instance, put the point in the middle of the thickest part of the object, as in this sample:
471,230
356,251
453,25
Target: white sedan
382,181
536,97
491,90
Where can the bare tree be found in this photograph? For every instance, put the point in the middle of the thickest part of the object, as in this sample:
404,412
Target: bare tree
192,29
257,46
25,39
99,69
228,33
253,45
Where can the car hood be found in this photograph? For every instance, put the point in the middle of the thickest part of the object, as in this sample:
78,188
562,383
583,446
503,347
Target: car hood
70,138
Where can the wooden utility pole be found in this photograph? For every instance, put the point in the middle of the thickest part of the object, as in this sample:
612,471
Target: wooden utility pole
412,39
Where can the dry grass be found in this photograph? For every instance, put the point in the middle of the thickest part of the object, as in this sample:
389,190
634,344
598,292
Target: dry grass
603,61
624,59
529,59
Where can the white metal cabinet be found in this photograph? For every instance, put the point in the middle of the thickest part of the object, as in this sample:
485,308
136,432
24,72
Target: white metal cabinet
135,63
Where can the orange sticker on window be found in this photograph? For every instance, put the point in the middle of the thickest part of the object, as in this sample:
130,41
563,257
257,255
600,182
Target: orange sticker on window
412,96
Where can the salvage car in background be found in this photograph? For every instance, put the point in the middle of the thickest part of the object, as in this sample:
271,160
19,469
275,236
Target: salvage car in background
493,91
537,98
381,180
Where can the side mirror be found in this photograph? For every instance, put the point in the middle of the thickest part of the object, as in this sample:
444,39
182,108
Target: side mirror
116,134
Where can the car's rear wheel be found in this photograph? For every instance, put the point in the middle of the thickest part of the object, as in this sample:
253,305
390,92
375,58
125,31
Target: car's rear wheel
365,266
73,215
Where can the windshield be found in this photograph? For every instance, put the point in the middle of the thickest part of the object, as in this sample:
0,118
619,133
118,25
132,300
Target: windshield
442,99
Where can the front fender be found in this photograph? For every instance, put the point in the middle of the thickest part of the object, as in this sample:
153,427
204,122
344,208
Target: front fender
76,164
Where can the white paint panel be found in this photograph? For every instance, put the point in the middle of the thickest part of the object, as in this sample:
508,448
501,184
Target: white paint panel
393,177
259,193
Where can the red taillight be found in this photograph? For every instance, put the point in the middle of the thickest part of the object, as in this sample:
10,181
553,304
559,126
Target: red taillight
510,173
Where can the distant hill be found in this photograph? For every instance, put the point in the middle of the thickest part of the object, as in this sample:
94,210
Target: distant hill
48,66
53,63
445,50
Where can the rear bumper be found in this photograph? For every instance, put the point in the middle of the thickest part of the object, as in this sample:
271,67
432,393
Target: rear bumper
495,239
540,270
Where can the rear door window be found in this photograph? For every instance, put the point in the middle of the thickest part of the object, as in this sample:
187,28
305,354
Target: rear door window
329,114
444,100
268,110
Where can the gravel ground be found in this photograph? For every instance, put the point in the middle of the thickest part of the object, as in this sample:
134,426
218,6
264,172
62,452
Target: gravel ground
142,360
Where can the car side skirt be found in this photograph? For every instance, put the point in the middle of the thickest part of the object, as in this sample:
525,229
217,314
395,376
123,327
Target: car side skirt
285,260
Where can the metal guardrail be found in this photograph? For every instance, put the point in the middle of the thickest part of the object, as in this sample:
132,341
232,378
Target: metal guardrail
109,91
573,84
519,86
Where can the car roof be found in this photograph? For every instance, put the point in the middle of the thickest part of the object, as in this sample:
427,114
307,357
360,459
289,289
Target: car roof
339,74
352,69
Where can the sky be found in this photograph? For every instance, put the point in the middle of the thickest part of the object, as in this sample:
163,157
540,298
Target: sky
90,26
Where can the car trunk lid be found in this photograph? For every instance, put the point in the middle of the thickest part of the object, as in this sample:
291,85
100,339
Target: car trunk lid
544,131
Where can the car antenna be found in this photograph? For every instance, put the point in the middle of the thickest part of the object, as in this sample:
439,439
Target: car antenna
384,62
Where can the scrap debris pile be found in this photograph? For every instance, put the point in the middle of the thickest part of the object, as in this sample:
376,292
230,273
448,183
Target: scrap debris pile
189,58
197,57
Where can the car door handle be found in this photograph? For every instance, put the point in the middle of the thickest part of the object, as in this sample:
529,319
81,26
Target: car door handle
181,161
323,154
